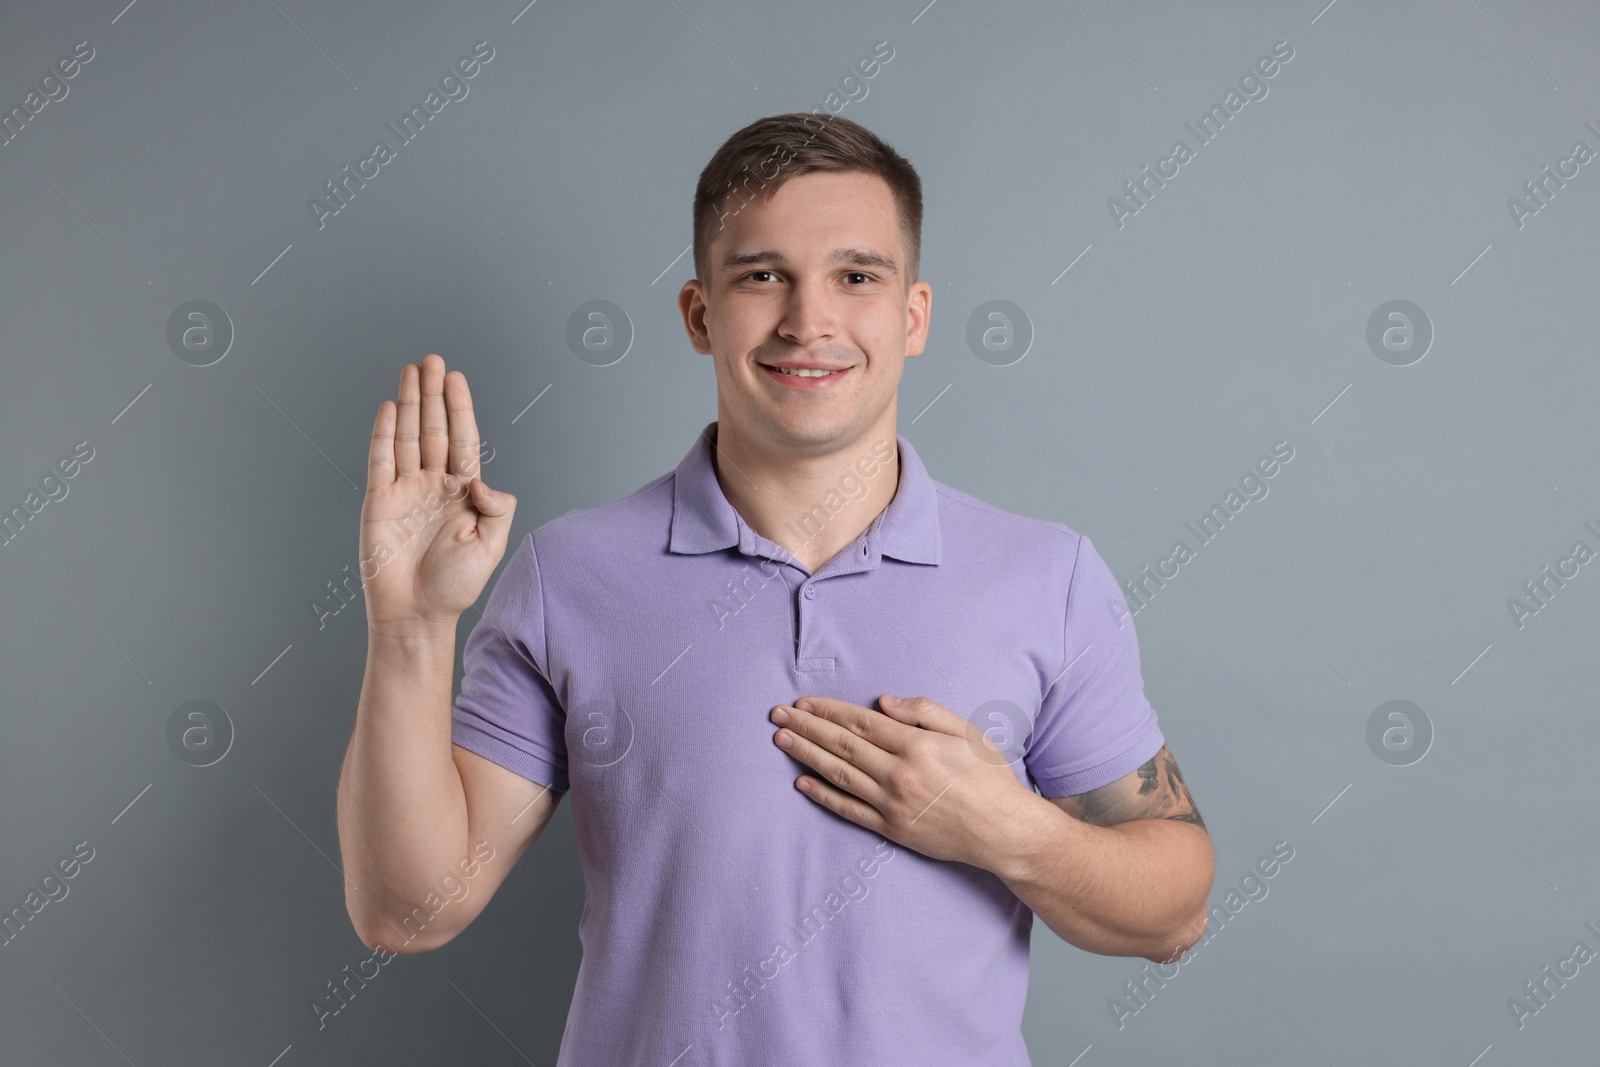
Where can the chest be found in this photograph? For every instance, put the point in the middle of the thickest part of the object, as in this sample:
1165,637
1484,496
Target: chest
668,691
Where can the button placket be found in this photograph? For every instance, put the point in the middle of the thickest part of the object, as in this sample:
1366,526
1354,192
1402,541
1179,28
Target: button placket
803,661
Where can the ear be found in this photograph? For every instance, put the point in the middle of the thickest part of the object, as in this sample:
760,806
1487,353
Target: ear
919,311
692,304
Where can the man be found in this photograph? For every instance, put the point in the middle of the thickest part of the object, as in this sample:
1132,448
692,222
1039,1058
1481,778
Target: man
777,871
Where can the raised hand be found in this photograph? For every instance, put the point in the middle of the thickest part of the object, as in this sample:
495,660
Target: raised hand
431,531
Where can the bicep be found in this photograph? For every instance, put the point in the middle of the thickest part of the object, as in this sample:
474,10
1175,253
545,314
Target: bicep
1154,790
506,813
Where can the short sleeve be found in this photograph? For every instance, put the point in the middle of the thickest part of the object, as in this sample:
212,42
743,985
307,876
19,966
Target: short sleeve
507,711
1094,724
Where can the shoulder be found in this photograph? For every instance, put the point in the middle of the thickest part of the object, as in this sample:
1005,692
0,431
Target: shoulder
606,527
568,552
977,524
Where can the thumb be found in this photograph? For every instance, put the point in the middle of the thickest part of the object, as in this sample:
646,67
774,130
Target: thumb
921,711
903,710
495,510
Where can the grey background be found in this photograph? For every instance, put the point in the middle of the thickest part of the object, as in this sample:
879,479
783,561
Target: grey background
1229,313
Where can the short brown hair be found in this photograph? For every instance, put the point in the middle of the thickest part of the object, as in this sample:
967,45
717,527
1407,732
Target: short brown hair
758,159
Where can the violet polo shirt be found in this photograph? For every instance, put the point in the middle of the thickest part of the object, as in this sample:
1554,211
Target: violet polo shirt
629,654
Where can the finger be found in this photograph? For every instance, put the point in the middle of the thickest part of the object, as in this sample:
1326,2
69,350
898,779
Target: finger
495,511
842,804
924,713
435,426
464,446
879,729
851,762
380,456
407,460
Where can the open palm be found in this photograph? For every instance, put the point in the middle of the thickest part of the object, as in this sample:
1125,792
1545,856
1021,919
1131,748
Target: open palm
431,531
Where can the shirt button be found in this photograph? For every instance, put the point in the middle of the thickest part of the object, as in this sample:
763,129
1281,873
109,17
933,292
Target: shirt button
811,593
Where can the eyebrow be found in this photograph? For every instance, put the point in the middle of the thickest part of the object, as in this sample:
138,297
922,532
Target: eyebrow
861,257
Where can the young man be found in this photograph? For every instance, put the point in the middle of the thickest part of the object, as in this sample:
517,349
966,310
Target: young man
784,863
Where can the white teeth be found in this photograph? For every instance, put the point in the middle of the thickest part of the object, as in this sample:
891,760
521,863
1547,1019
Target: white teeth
804,373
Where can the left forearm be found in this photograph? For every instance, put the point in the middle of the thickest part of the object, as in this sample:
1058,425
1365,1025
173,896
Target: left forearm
1136,888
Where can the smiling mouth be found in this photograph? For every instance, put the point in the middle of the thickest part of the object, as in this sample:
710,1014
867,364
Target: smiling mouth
805,377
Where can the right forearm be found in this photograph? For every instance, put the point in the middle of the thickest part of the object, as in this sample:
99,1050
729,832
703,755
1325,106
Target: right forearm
402,809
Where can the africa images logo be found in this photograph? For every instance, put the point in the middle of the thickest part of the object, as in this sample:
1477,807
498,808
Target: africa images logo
1139,191
452,87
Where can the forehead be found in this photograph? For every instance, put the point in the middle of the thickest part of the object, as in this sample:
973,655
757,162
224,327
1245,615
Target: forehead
811,216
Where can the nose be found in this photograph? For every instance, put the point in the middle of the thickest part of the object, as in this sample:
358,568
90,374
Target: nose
809,315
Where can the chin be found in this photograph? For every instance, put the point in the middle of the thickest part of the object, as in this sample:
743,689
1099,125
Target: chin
814,430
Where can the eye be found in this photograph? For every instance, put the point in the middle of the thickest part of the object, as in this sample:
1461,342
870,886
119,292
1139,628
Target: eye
859,274
753,273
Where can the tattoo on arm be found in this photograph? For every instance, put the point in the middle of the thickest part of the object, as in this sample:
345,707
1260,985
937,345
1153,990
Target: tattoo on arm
1156,790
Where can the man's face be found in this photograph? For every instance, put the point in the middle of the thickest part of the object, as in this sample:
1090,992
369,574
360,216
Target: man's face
814,276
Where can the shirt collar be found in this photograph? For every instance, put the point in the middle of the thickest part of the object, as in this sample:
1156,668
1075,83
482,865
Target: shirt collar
704,521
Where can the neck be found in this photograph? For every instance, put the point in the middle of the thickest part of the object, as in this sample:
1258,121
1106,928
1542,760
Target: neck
812,505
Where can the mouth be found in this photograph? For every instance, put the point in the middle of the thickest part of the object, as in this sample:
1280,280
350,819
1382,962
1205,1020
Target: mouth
809,379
